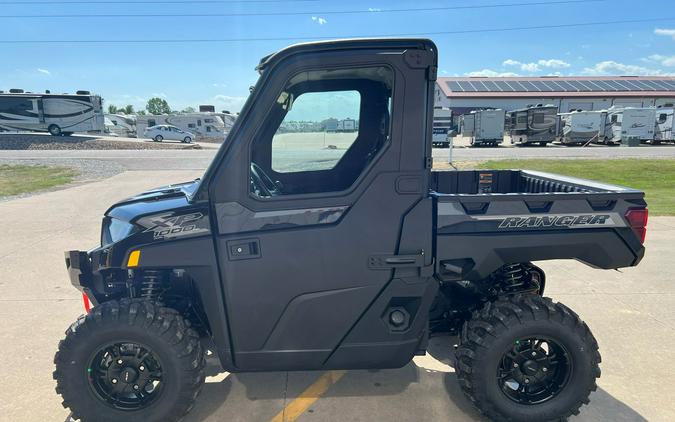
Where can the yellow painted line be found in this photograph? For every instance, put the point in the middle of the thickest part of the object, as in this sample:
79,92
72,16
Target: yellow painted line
300,405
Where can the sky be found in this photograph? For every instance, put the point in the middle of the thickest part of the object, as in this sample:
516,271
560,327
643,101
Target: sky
220,73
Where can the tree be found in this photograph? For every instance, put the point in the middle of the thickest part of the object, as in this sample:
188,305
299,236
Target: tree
129,109
158,105
112,109
141,112
188,110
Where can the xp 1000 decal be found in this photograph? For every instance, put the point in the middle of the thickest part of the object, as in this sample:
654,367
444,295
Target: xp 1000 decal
168,226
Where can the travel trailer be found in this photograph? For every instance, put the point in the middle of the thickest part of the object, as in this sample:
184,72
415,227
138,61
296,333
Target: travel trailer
120,125
58,114
665,125
581,127
205,126
637,122
441,127
536,124
484,127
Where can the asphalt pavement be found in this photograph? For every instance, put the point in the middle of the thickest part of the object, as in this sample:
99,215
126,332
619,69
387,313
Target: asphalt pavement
630,312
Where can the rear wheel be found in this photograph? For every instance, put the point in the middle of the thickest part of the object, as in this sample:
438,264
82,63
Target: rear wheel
131,360
159,138
526,358
54,130
187,140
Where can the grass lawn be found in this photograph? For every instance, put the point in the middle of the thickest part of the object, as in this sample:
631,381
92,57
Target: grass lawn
22,179
655,177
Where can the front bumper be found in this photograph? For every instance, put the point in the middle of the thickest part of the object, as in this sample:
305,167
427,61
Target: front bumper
78,264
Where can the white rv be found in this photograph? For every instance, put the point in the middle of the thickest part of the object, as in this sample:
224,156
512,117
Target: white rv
58,114
441,127
581,127
665,125
206,126
120,125
638,122
533,124
484,127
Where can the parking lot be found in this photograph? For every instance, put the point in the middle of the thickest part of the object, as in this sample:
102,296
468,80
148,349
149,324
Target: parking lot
630,312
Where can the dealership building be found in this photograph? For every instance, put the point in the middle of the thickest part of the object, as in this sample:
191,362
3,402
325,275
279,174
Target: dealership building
463,94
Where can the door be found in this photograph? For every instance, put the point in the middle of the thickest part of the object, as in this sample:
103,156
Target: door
324,237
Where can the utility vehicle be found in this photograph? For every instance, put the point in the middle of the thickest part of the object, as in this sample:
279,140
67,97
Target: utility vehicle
290,255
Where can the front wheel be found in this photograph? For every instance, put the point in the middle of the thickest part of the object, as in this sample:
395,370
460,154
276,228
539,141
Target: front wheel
526,358
131,360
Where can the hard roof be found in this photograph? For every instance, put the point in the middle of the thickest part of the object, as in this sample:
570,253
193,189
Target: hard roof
569,86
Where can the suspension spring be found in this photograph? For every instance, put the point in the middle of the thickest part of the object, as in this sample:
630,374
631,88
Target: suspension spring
151,285
512,275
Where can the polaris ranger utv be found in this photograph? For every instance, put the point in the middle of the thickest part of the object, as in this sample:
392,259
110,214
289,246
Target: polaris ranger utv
303,248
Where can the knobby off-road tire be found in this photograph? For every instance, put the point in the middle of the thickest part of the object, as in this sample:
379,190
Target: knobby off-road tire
162,332
486,344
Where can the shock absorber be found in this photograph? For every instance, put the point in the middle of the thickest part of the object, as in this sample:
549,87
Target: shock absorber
151,284
512,276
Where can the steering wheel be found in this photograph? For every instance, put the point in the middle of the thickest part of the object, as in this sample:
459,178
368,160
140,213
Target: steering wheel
261,183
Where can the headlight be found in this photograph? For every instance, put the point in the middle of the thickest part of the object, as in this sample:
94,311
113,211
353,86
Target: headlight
115,230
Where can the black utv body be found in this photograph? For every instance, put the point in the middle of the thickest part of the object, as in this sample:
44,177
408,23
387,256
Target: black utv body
294,253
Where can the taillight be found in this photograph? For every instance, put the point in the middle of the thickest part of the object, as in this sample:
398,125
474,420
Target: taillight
637,219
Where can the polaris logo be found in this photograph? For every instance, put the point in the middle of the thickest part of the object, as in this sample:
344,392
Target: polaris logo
547,221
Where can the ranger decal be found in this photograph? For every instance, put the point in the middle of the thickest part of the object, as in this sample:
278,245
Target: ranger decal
553,221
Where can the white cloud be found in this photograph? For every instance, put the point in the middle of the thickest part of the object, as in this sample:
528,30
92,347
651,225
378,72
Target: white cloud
491,73
319,20
374,9
538,65
44,72
665,32
610,67
228,102
219,85
554,63
661,59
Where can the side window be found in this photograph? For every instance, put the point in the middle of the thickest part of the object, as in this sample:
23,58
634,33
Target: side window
151,122
614,118
324,131
538,118
317,132
663,117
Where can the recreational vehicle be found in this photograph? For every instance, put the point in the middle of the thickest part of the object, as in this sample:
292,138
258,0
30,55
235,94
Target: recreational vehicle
536,124
441,127
630,122
581,127
346,125
205,126
484,127
58,114
665,125
120,125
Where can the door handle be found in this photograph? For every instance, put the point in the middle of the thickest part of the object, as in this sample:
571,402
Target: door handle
243,249
399,261
387,262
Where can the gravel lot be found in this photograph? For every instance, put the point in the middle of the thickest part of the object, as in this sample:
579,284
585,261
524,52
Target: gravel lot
41,141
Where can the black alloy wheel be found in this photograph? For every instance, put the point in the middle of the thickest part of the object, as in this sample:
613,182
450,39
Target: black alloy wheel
127,376
534,370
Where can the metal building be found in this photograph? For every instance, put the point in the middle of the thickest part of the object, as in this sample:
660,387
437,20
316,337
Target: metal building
462,95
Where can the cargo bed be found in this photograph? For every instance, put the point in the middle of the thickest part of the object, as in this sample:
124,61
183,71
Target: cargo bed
485,219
